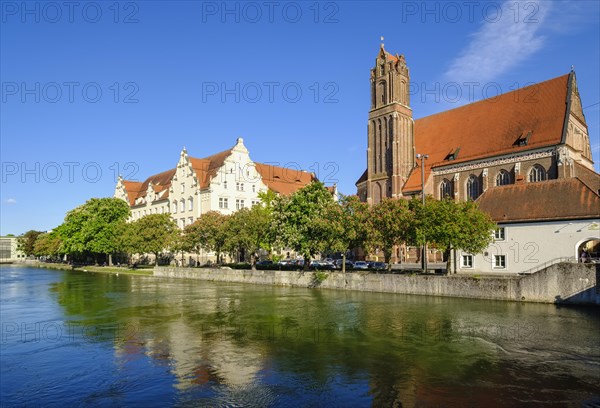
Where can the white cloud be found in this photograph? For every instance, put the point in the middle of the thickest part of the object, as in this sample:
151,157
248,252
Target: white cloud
500,45
10,201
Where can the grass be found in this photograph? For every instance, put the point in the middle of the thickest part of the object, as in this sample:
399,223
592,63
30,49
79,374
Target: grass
107,269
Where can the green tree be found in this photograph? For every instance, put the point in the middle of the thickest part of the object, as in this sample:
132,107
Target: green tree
351,220
391,223
210,232
298,220
153,233
248,229
452,226
94,226
26,242
48,244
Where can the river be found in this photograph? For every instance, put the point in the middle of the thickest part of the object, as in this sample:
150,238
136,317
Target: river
91,339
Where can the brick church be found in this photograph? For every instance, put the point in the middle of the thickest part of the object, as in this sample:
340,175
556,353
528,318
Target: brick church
518,140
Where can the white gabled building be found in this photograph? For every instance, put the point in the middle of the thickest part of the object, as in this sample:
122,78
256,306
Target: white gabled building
224,182
539,224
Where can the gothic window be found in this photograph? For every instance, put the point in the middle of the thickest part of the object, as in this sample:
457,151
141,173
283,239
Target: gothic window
382,92
537,173
190,204
174,206
182,205
503,178
472,187
446,189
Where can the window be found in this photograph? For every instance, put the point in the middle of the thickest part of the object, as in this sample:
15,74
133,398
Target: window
182,205
500,261
254,188
183,223
239,186
446,189
223,203
466,261
225,184
182,188
503,178
174,207
190,204
239,204
190,220
499,234
472,187
537,173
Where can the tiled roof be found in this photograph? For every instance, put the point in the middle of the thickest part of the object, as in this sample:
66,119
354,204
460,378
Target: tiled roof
589,177
283,180
133,189
492,126
363,178
279,179
207,167
561,199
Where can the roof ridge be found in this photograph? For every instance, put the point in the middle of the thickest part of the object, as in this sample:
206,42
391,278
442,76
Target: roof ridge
493,97
586,186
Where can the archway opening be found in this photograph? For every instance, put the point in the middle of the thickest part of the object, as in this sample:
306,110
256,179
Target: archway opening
589,250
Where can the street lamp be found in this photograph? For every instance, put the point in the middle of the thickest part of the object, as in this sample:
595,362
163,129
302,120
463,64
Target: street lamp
423,157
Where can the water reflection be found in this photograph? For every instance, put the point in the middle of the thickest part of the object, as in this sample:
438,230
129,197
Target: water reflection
198,343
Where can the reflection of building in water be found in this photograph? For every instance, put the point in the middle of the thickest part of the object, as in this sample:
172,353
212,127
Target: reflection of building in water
196,352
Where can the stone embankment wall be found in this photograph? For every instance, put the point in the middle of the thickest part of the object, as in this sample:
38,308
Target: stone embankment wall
560,283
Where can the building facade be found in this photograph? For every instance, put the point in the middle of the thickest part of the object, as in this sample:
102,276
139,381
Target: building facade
224,182
532,135
9,250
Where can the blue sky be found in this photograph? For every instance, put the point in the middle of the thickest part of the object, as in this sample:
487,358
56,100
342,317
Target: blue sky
94,89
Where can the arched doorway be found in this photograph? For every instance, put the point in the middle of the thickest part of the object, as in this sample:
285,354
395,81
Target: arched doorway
591,247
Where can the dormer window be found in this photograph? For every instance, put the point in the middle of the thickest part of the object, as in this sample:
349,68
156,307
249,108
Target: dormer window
453,155
522,140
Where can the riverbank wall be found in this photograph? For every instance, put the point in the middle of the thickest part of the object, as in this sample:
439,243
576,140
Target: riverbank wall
565,283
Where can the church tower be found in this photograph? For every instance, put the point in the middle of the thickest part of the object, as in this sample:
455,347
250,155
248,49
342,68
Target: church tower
390,153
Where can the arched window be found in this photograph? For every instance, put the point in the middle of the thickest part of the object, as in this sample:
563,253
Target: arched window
174,206
182,205
503,178
446,189
190,204
472,187
537,173
382,92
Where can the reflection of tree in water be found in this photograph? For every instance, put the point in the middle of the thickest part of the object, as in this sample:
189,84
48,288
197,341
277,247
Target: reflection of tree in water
221,339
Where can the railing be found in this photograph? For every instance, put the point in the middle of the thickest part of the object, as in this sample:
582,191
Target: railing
546,264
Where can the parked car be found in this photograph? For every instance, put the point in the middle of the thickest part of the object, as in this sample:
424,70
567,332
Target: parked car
320,265
361,265
338,264
266,262
379,266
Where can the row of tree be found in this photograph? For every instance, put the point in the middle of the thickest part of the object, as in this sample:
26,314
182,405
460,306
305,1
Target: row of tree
309,222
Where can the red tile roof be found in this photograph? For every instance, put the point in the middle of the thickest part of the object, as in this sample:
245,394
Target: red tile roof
491,127
561,199
279,179
207,167
283,180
